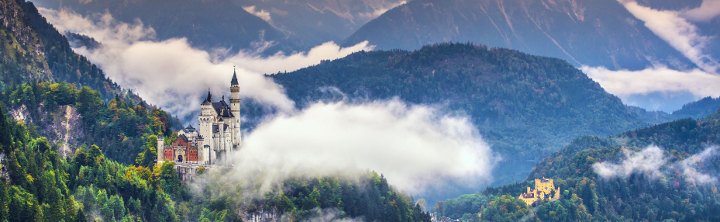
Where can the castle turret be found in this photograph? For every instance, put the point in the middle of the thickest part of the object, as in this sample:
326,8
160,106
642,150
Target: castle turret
235,100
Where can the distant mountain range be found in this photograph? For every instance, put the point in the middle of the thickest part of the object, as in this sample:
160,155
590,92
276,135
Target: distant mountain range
526,106
249,25
206,24
588,32
583,32
312,22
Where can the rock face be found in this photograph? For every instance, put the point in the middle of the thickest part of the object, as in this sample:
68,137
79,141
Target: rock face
68,130
588,32
64,126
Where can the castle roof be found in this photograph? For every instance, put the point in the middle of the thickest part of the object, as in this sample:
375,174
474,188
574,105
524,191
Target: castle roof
222,109
189,128
183,138
208,99
234,80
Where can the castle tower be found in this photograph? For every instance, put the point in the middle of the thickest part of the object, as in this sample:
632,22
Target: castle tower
206,119
235,100
160,150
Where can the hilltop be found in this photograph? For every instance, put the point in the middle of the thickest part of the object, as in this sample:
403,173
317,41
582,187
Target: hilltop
525,106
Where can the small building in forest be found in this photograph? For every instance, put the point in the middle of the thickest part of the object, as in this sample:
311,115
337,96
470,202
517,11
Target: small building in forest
544,189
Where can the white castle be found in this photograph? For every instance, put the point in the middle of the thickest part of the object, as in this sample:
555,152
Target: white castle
218,135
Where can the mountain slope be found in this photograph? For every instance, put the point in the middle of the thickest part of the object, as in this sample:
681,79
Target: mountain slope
207,24
525,106
33,50
587,32
648,183
312,22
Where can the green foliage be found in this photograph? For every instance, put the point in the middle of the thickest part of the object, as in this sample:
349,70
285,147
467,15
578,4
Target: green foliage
372,198
123,126
31,49
585,196
505,208
149,155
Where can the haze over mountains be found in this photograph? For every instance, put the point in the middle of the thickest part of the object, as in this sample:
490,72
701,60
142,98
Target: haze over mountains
615,40
434,120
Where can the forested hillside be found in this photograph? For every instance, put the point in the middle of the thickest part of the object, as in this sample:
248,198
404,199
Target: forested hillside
74,117
526,106
38,184
663,172
32,49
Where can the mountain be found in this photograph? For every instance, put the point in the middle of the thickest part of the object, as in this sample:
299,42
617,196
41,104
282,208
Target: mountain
697,109
664,172
42,180
206,24
525,106
32,50
583,32
59,95
312,22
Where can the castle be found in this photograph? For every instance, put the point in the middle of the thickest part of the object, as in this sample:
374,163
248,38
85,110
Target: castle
217,137
543,190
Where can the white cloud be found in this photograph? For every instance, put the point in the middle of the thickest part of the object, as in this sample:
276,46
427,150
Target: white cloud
689,165
677,31
708,10
262,14
653,162
174,75
624,83
647,161
415,147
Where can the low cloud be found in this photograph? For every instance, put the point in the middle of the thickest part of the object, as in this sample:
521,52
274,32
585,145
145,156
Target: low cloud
648,161
708,10
689,166
415,147
173,74
262,14
676,31
659,79
652,161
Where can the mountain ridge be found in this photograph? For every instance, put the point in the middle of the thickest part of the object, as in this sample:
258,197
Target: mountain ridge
574,30
516,100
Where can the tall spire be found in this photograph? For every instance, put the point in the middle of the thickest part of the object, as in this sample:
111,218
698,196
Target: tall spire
234,80
208,99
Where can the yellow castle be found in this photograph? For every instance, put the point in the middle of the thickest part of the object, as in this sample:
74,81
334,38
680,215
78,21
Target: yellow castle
543,189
